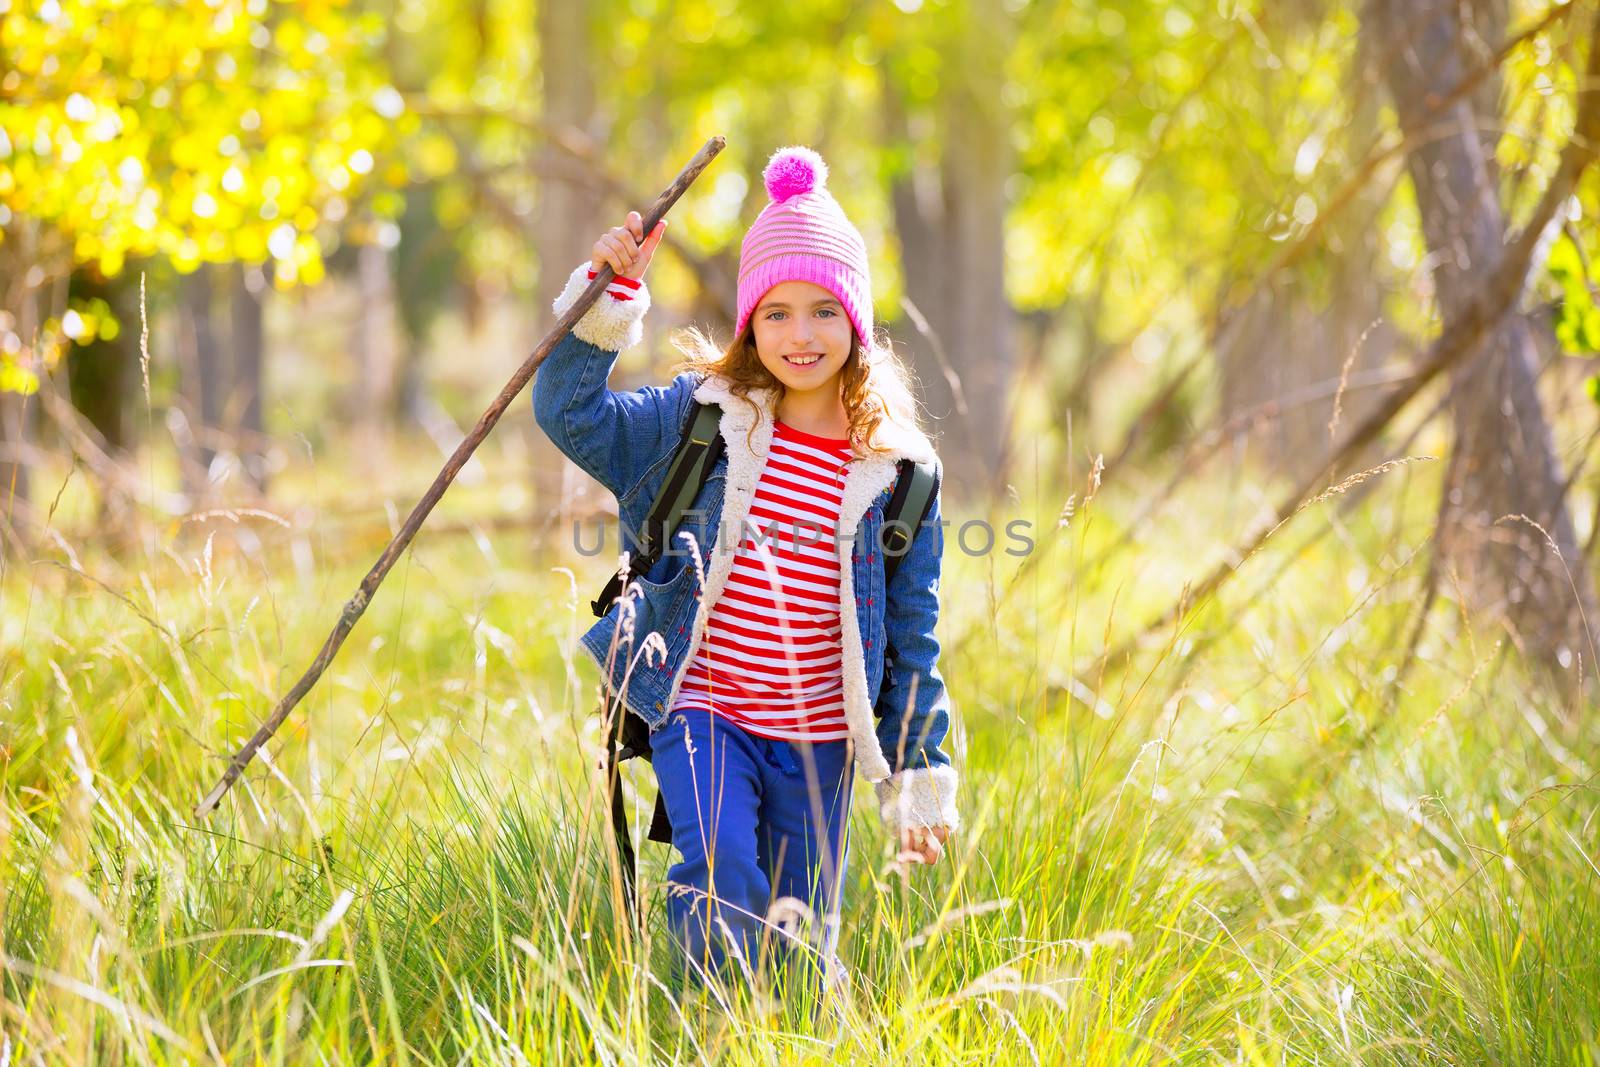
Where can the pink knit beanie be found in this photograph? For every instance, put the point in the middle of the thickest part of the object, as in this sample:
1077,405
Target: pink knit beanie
803,235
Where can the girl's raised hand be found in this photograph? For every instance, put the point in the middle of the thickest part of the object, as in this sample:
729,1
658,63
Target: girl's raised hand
626,248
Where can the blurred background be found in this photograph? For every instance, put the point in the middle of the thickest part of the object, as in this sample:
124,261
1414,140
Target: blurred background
1205,238
1274,322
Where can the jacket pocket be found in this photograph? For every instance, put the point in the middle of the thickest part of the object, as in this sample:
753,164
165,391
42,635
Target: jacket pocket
658,606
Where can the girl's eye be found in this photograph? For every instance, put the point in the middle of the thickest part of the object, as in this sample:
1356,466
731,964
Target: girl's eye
826,311
773,315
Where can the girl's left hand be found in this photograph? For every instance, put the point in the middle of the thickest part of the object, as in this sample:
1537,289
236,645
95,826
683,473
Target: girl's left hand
922,844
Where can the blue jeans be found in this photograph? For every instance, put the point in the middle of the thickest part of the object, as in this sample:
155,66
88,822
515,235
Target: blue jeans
755,820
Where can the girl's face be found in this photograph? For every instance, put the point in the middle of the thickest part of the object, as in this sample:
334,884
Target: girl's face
802,336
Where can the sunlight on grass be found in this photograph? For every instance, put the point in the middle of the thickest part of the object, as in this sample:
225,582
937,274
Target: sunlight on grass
1257,842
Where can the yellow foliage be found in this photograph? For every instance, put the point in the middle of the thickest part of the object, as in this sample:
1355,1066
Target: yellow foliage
167,129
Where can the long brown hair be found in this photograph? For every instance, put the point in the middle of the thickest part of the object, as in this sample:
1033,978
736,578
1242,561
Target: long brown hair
875,384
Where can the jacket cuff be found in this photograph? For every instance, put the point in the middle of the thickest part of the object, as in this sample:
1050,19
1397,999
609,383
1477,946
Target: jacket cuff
922,796
615,322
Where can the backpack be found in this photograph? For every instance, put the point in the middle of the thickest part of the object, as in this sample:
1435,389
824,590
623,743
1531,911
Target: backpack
699,448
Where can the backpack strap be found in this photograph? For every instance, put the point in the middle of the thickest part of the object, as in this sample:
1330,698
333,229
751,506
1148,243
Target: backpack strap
630,740
914,490
699,447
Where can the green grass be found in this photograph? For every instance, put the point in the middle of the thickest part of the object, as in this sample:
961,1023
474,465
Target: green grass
1253,845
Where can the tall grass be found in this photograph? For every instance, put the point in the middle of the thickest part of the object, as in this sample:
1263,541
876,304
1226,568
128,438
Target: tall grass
1257,842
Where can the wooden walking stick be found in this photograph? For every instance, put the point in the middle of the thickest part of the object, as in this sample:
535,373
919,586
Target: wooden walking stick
357,604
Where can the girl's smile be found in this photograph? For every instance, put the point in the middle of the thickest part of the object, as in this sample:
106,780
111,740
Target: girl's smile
803,339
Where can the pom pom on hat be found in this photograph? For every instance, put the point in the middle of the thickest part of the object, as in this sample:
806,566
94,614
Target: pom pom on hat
793,171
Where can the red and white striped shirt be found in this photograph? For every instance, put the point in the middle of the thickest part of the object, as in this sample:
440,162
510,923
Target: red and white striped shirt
770,660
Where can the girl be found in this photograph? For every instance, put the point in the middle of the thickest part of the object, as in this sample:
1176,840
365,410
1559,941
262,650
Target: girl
764,651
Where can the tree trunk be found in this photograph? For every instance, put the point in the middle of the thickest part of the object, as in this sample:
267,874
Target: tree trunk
101,381
409,379
1507,463
1298,333
20,282
951,227
425,281
16,443
102,375
568,211
1282,365
375,345
204,382
248,305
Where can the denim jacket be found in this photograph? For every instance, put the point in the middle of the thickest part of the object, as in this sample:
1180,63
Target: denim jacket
899,712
